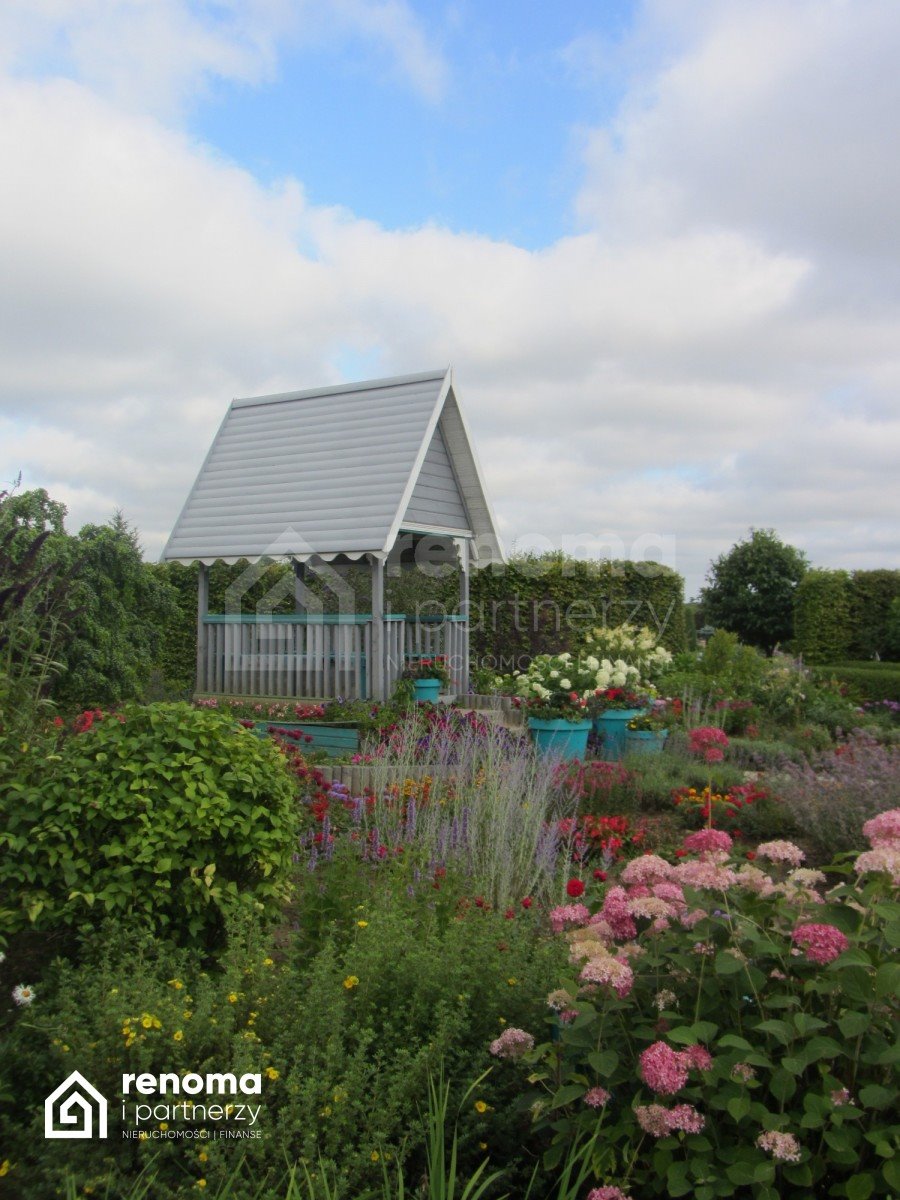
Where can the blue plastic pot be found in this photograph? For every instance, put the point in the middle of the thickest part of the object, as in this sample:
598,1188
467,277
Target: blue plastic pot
427,690
560,739
645,741
611,726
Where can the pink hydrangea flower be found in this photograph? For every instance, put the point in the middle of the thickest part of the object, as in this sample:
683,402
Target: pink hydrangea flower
698,1057
648,869
822,943
755,880
663,1069
568,914
883,858
610,972
781,852
883,828
512,1043
671,893
686,1118
783,1146
596,1097
705,840
616,915
653,1119
703,873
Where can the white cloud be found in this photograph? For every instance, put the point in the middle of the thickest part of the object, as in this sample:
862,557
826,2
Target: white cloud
716,349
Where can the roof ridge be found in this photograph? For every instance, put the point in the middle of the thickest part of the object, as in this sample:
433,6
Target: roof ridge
337,388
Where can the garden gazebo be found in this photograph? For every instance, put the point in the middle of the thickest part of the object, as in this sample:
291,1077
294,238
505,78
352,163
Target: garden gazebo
321,479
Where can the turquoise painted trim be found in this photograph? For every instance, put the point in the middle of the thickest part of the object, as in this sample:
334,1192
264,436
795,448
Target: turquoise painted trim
295,618
321,619
335,740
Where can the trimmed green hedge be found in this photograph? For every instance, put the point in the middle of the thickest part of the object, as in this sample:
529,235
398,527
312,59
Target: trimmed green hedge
868,681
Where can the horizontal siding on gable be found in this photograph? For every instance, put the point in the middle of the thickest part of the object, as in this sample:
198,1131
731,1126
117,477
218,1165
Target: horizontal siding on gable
436,499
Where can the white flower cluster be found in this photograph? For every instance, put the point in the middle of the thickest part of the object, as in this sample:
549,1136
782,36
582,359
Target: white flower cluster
638,647
550,674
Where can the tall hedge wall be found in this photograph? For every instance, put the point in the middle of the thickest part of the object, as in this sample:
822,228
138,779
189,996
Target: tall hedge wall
845,616
822,629
541,605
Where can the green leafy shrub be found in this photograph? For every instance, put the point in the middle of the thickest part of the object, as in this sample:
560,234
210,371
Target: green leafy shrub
165,814
747,1046
822,629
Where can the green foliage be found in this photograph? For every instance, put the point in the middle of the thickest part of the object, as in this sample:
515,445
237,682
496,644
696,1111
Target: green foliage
872,594
750,589
771,1038
92,618
864,681
345,1068
541,604
822,630
892,630
166,814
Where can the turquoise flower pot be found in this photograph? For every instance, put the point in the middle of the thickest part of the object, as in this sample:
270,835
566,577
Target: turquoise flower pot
611,726
560,739
427,690
645,741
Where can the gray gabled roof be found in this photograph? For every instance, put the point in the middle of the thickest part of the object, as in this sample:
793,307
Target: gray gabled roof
338,470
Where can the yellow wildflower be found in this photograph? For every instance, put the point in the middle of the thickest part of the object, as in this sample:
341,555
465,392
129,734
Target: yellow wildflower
374,1156
362,924
272,1073
350,982
178,1035
176,984
268,962
232,998
480,1106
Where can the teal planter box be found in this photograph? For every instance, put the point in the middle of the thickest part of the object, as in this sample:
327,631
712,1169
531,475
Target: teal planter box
427,690
560,739
337,739
645,741
611,726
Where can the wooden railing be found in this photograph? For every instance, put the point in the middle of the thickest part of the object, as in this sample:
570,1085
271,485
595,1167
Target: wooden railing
319,657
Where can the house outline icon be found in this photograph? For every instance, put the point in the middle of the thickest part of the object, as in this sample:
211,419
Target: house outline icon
80,1099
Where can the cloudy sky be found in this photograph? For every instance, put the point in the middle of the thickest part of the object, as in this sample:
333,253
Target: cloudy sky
659,241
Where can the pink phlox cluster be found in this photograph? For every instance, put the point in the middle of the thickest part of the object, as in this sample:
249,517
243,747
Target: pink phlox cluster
884,828
607,1192
706,874
596,1097
708,741
841,1096
512,1043
822,943
647,870
615,913
705,840
781,852
568,914
783,1146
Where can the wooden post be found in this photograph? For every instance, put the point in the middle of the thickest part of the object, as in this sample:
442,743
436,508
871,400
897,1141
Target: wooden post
464,611
376,666
202,610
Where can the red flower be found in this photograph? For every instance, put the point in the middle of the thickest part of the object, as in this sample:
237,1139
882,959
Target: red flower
575,888
510,914
58,722
527,902
751,854
601,875
479,901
